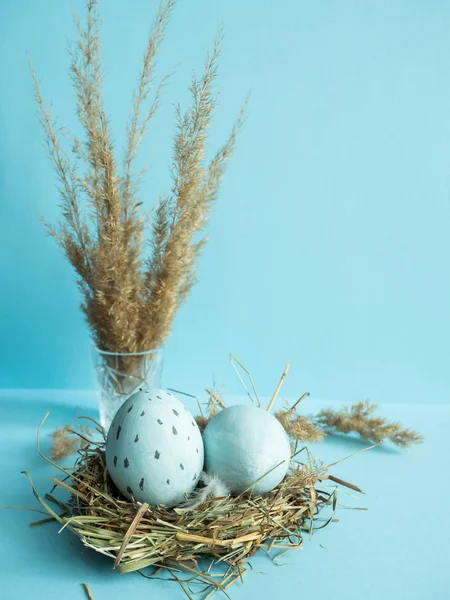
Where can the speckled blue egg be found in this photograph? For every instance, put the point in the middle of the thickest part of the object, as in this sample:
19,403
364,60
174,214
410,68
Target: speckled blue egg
244,445
154,449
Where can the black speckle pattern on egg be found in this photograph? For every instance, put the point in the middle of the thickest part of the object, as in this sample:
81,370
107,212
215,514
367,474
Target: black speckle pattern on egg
143,460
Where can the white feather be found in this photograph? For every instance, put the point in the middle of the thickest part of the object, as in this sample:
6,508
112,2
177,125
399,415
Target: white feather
213,488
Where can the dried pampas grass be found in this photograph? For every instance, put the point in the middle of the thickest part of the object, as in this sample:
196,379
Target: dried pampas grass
130,298
299,427
65,441
358,418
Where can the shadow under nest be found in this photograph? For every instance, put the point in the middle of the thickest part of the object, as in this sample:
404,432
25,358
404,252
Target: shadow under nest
204,549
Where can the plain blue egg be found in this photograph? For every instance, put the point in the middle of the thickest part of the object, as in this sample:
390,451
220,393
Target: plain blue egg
246,444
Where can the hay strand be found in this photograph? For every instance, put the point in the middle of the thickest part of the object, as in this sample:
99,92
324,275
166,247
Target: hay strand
88,591
131,531
277,391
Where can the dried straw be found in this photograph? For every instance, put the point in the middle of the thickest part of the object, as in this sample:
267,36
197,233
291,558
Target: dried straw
225,531
88,591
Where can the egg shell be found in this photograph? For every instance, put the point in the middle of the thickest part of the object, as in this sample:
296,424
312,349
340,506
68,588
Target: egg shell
243,445
154,449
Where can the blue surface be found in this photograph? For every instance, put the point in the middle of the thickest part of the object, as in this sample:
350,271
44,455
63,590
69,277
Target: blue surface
396,550
329,245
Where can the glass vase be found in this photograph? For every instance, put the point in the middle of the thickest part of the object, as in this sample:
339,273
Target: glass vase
121,374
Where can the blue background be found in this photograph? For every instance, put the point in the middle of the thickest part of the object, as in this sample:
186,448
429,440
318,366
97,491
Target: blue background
330,241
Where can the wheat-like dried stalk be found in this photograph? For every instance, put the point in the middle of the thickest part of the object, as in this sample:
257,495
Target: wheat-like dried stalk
358,418
130,299
299,427
65,441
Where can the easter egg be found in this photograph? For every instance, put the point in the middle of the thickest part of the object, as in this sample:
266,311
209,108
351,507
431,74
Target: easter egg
246,446
154,449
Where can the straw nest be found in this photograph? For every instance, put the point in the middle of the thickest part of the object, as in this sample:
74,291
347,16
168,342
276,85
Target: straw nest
205,549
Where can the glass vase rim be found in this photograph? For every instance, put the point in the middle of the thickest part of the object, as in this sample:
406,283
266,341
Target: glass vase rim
141,353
